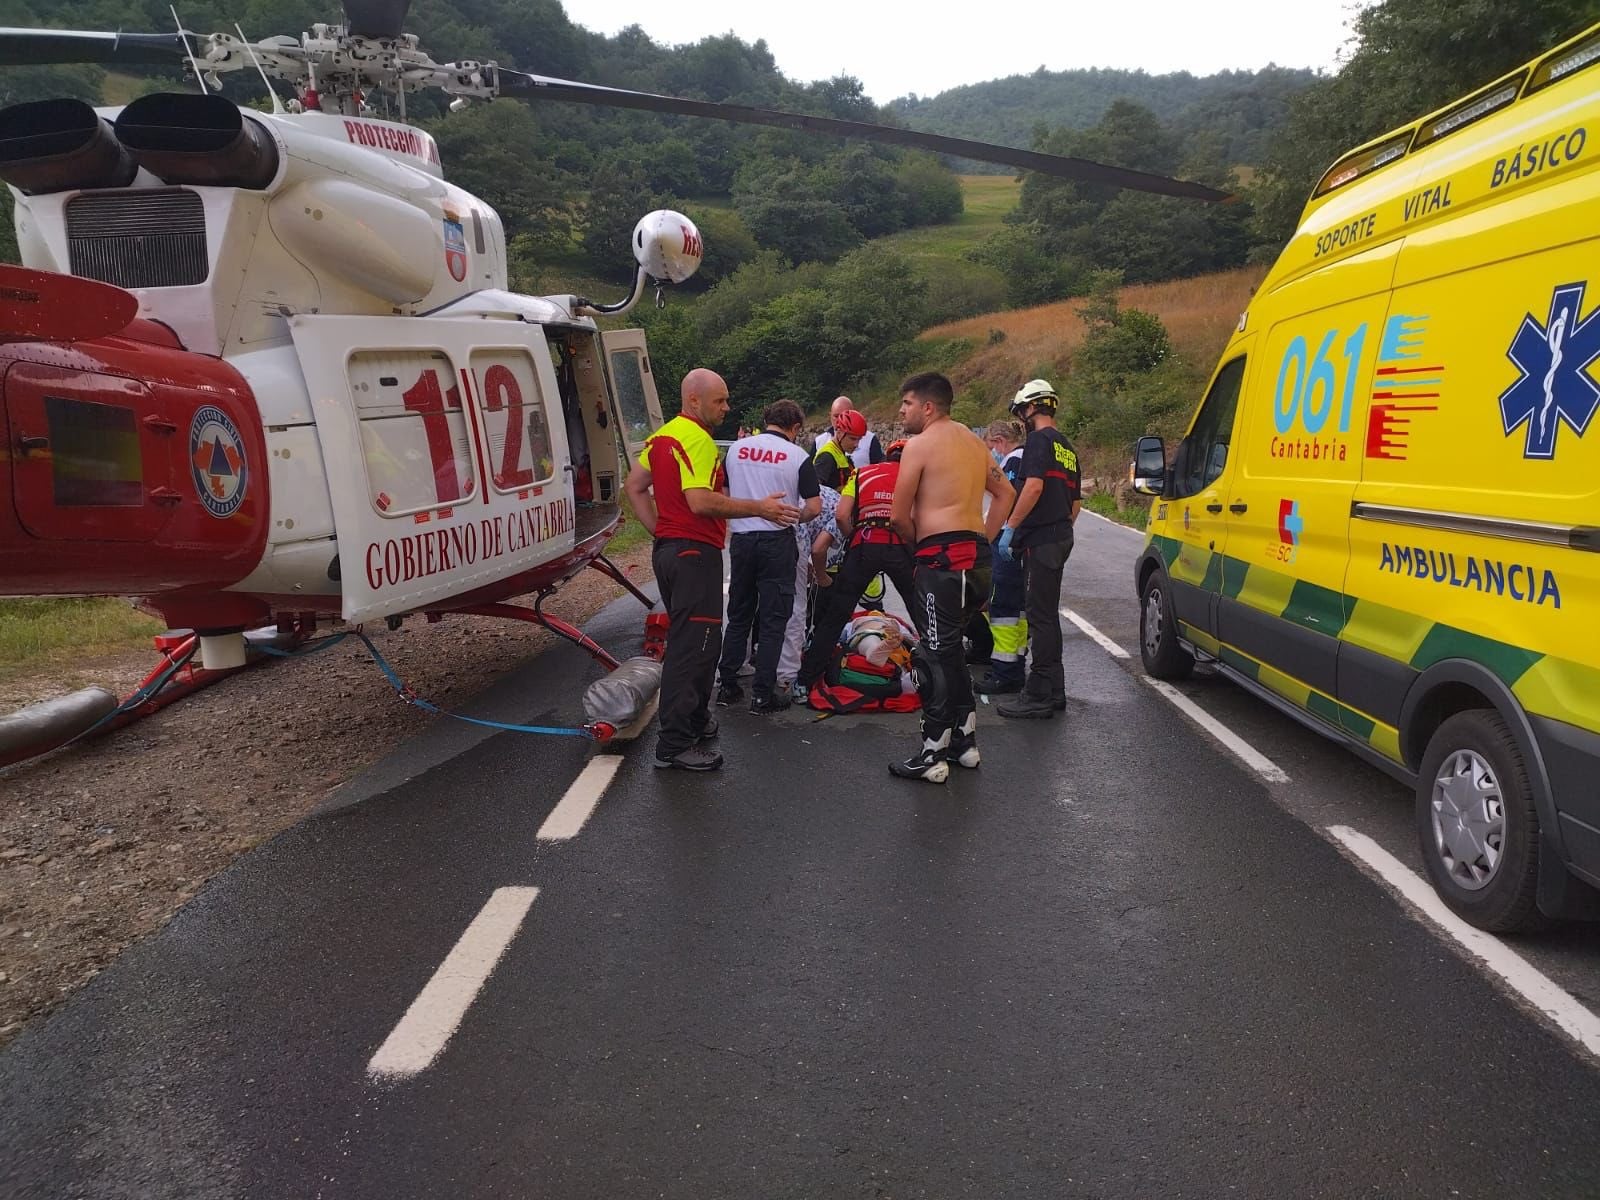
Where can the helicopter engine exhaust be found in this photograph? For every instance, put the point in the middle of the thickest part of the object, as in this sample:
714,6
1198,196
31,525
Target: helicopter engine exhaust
60,146
204,141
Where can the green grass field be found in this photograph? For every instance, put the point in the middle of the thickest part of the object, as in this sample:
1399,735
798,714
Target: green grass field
988,199
33,631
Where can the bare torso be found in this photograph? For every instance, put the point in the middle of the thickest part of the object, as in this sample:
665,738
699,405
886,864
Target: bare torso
948,468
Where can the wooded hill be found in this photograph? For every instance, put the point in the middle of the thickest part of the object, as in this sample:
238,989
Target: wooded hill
1235,112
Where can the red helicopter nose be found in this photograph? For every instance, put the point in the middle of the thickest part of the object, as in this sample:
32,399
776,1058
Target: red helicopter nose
137,468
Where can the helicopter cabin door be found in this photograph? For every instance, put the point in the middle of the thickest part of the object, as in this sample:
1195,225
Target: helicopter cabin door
629,361
448,465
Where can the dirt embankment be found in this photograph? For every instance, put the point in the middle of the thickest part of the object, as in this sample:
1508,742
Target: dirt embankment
101,843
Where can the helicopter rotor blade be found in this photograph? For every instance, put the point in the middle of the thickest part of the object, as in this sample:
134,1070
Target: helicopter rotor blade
532,87
376,18
31,47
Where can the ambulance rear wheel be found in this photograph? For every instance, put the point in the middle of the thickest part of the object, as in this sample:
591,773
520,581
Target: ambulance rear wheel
1163,657
1477,824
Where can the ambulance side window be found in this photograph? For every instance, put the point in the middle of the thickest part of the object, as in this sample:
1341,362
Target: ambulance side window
1203,455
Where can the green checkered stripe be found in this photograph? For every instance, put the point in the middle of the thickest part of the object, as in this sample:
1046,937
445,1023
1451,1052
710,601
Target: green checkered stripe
1544,684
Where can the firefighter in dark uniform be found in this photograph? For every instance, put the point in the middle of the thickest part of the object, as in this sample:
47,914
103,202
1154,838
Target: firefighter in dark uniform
873,548
688,514
1039,531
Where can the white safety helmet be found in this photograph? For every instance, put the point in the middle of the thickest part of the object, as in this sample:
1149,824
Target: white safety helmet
1036,392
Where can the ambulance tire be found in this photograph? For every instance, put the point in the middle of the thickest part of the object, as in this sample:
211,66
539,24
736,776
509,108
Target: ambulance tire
1163,657
1507,902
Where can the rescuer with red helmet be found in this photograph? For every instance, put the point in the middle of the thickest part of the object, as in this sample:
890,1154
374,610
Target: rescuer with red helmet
868,450
834,464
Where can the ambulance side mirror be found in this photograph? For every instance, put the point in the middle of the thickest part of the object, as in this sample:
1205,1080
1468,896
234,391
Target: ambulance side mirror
1150,466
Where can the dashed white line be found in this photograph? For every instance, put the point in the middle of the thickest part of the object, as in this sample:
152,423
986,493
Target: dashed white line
1243,750
1106,643
438,1009
1537,988
567,818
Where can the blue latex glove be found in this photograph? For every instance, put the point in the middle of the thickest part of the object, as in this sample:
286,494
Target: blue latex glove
1002,544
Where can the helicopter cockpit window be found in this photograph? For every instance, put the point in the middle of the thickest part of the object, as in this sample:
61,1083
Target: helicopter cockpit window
515,423
413,430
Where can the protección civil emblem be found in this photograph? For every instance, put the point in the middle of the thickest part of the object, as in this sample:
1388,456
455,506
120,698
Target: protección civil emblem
1555,386
216,461
455,249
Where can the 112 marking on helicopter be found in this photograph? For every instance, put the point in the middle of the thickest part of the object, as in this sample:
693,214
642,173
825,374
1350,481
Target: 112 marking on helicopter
266,365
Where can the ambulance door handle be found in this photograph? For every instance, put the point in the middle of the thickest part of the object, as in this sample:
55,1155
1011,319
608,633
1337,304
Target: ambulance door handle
1214,508
1237,507
27,445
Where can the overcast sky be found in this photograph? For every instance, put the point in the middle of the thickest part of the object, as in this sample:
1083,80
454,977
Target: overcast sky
895,47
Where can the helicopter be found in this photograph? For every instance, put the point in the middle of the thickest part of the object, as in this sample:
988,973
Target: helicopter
264,367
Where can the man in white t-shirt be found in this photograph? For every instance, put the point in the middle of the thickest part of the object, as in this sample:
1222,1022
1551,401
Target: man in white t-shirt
762,553
868,450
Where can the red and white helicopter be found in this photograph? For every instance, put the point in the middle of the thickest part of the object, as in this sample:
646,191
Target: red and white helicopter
263,368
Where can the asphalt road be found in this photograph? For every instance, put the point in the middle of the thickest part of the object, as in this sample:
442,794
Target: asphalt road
1113,962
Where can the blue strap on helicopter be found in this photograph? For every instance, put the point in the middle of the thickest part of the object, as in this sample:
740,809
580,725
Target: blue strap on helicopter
416,701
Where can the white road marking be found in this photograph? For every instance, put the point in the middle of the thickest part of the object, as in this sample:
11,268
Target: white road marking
1248,754
1243,750
1106,643
567,818
438,1009
1113,524
1537,988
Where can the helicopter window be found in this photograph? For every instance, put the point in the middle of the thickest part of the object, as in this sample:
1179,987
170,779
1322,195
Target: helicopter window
515,423
627,371
477,233
94,454
413,430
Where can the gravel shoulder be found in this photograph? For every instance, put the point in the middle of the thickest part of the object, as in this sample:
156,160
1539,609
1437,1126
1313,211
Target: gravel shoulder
101,843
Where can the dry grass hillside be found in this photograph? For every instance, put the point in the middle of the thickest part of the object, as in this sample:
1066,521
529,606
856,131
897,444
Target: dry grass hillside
1199,314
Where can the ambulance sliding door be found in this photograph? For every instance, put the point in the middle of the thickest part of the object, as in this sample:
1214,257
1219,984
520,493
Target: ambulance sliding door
629,362
1284,603
446,465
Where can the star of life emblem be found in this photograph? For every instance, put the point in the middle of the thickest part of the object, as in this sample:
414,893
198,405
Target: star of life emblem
1555,385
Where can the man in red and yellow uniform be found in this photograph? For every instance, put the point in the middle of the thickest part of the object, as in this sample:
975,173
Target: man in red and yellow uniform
688,516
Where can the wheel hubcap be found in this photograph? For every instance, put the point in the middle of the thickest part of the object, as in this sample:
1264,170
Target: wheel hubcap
1152,622
1469,819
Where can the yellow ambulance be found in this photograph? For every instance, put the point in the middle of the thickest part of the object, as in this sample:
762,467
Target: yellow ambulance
1385,515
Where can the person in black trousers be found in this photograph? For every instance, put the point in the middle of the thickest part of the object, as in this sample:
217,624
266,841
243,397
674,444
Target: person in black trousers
763,553
1039,531
677,490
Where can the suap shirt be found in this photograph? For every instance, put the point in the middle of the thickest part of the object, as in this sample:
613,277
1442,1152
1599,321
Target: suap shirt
763,464
1047,455
680,457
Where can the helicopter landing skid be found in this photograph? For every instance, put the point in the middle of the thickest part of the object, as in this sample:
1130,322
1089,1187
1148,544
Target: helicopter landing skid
537,616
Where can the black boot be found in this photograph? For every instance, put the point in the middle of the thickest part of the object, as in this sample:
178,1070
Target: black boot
932,764
1028,706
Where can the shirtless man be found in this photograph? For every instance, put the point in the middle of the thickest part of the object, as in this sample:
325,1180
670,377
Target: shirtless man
938,508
